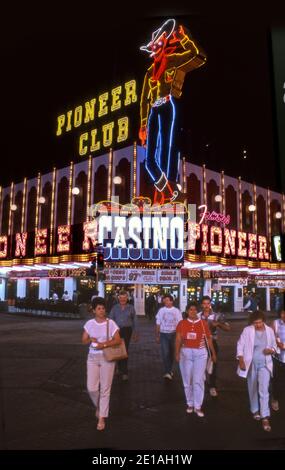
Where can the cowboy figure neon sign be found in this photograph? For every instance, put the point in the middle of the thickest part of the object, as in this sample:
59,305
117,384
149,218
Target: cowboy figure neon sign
174,54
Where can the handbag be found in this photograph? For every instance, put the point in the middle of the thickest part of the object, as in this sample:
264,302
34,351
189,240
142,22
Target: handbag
116,352
210,364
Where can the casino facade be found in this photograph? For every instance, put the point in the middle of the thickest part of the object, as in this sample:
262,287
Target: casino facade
226,244
45,245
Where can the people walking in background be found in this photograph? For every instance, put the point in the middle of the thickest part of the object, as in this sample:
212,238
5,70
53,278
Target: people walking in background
124,314
100,372
193,338
252,304
278,380
278,303
150,306
66,296
255,348
75,296
167,319
215,321
54,296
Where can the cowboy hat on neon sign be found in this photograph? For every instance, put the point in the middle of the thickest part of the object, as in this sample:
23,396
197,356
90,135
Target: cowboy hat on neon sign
159,38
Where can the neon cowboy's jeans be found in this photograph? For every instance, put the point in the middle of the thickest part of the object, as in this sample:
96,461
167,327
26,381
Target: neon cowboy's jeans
161,152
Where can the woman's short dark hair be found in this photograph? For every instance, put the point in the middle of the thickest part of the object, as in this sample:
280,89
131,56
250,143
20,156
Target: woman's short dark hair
191,304
98,301
258,315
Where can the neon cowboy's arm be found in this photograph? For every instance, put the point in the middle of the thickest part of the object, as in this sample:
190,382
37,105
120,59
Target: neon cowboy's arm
192,57
144,104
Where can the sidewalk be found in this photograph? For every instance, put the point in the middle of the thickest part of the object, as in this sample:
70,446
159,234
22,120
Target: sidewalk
46,406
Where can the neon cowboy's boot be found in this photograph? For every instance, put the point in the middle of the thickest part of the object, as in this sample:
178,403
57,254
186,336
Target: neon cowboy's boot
160,186
178,195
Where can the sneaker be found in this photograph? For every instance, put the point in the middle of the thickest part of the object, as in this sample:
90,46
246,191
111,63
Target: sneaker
125,377
189,409
199,413
275,405
256,416
167,376
213,392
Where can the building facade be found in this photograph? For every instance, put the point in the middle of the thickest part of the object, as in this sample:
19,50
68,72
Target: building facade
38,215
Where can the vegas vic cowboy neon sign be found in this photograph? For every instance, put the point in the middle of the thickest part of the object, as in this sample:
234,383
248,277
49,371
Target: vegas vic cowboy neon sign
174,54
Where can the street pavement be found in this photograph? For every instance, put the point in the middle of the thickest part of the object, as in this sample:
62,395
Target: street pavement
44,403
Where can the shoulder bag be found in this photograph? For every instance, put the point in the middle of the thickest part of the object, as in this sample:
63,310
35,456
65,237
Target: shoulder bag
210,364
116,352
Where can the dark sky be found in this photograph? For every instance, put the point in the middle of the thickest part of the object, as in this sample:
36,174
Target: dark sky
53,59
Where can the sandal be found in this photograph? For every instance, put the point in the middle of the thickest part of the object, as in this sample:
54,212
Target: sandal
256,416
101,426
266,425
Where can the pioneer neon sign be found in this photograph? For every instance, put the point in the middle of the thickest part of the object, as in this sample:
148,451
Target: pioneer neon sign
158,238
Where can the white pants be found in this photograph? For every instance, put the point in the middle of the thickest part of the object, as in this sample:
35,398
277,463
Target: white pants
100,375
193,364
258,380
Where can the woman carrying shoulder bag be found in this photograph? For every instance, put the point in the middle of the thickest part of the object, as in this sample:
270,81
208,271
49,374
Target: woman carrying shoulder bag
100,333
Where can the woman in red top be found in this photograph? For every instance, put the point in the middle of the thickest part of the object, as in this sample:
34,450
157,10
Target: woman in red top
191,353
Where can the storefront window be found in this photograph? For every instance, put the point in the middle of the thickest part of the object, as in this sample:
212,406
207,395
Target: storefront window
33,289
194,291
11,292
56,286
223,299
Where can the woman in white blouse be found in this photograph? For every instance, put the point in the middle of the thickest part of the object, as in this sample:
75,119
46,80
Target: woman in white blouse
100,372
255,348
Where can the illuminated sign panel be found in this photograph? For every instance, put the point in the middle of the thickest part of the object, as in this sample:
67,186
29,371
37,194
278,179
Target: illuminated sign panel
102,121
143,238
146,238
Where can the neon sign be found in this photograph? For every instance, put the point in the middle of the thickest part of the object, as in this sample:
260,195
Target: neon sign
146,238
174,54
213,216
106,104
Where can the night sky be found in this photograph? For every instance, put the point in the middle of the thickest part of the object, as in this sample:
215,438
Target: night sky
51,60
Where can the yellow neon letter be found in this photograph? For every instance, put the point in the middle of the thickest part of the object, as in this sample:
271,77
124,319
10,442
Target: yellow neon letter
131,95
78,116
107,130
94,145
103,108
89,110
60,124
68,127
123,129
83,148
116,102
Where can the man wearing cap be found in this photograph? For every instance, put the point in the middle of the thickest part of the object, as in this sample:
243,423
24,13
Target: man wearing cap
124,314
174,54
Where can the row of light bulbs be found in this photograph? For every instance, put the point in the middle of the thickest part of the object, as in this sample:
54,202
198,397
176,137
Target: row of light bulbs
251,207
75,191
118,180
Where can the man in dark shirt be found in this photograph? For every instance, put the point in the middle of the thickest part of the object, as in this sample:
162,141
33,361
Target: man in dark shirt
124,314
215,321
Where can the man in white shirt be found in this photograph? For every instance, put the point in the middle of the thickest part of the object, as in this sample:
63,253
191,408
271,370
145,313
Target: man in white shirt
66,296
167,319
